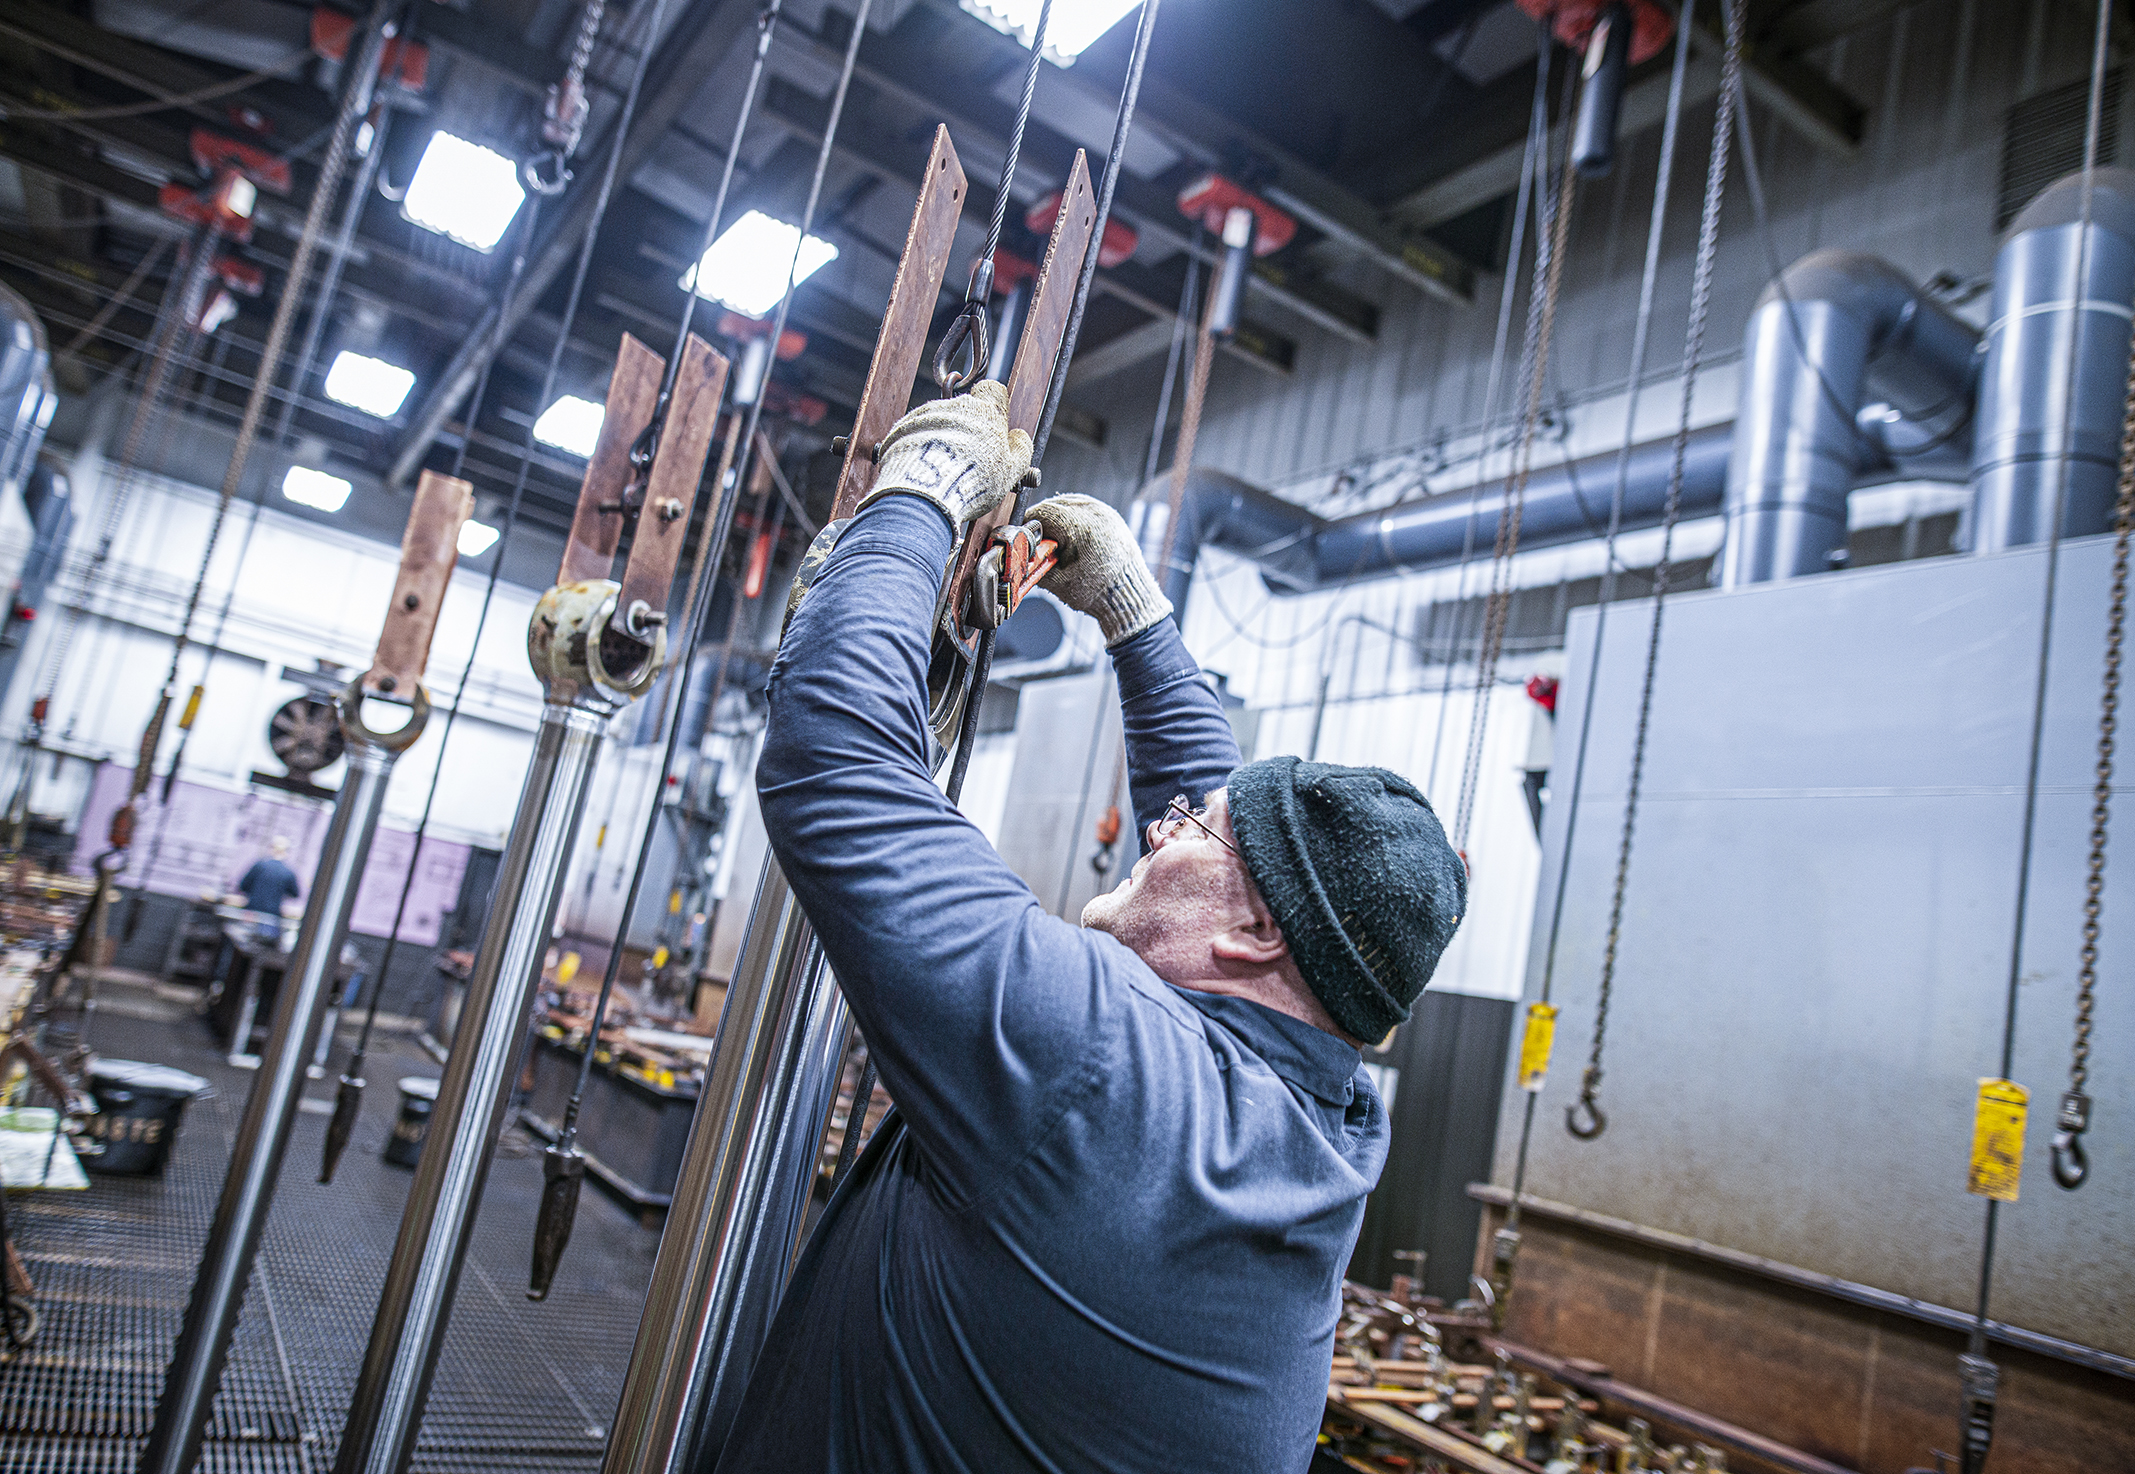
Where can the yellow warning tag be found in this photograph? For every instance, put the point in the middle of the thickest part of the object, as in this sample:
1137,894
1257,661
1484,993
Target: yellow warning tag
1998,1139
567,969
1536,1043
659,957
192,709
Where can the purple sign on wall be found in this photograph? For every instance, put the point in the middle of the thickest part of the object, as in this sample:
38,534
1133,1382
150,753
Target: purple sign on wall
207,837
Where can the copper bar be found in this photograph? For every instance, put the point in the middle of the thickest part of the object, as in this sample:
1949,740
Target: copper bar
671,489
902,342
429,550
633,394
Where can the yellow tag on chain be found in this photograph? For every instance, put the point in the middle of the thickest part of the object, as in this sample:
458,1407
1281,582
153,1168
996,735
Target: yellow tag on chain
1998,1139
1536,1043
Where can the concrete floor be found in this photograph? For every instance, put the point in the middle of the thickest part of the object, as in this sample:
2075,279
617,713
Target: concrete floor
521,1386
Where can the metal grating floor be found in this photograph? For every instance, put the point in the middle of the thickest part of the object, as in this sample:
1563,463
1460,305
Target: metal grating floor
520,1387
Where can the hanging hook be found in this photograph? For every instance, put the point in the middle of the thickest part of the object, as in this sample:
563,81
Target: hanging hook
547,172
2071,1166
1584,1118
967,334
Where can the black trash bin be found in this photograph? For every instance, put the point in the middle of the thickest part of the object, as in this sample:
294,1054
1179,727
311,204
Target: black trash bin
139,1108
418,1096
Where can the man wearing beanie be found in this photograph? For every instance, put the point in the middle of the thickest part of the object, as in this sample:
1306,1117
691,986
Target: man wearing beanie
1105,1227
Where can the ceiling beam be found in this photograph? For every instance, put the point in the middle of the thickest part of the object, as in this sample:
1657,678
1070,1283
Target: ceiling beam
1201,132
976,116
705,33
1810,103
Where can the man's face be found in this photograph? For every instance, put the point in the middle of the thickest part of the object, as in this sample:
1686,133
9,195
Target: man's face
1179,894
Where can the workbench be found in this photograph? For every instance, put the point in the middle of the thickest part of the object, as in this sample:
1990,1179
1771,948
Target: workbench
631,1128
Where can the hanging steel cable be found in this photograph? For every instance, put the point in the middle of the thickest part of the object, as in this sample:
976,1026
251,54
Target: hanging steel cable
1979,1374
1541,1015
2071,1165
1585,1118
1530,165
349,1091
362,77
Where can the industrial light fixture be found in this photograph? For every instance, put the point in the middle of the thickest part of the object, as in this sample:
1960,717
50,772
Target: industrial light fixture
746,267
369,384
476,538
571,424
1074,26
464,191
309,488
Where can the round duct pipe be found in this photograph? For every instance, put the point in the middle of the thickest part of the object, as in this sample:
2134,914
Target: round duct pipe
1828,328
2042,317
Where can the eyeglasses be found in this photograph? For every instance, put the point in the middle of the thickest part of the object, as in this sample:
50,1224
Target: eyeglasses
1166,824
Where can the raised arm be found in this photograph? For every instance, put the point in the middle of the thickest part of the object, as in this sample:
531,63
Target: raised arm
975,1003
1178,740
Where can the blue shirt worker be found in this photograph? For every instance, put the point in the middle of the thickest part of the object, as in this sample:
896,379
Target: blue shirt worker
1106,1225
266,884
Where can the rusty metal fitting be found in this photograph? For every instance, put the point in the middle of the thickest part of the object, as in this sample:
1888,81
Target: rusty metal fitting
564,639
353,728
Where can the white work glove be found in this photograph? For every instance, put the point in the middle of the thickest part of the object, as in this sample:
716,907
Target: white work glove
1100,570
957,453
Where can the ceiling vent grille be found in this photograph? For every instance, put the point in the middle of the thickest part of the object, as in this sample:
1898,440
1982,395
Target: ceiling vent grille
2042,140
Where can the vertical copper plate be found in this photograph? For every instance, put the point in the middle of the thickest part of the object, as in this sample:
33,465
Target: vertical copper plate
428,550
671,489
633,393
903,340
1039,348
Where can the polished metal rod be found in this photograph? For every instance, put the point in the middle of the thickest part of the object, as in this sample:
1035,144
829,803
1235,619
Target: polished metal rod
472,1099
739,1199
195,1372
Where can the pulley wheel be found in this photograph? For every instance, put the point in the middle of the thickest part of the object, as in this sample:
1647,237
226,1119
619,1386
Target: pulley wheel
305,735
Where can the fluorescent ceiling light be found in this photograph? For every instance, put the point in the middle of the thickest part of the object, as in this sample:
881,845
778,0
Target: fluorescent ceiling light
571,424
464,191
369,384
476,538
746,267
1074,26
309,488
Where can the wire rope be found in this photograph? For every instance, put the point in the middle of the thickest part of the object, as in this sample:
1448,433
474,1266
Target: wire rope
1585,1118
14,113
1649,277
351,1082
1980,1375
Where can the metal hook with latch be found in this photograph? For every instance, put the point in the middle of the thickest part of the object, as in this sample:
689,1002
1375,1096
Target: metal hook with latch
2071,1166
547,173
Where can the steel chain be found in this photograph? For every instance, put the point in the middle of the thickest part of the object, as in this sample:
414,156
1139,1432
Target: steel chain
2071,1166
1585,1118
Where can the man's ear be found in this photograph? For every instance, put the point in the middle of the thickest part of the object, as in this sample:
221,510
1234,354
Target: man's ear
1257,942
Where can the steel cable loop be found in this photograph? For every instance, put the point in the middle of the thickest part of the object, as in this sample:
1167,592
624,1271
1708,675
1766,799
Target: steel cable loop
1585,1118
967,332
2071,1164
1648,280
351,1082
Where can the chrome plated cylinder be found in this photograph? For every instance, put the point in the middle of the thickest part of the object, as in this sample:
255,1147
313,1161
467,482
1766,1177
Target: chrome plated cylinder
196,1367
472,1099
734,1227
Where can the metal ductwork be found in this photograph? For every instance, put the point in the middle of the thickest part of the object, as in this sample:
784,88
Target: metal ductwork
1299,552
2042,316
1832,329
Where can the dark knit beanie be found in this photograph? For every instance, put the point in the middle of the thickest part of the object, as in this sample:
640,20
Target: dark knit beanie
1357,871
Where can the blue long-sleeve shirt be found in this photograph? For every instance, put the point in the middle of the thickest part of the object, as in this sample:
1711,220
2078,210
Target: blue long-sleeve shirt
1106,1225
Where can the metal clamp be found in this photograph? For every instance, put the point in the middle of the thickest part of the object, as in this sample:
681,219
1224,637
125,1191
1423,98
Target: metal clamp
565,637
2071,1166
395,742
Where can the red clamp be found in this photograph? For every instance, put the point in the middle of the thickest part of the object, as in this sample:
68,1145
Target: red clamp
240,276
1542,691
1016,560
1572,22
1117,244
1212,197
407,62
212,153
226,207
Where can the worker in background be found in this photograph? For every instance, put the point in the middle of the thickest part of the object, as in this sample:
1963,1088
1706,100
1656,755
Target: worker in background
268,887
1106,1226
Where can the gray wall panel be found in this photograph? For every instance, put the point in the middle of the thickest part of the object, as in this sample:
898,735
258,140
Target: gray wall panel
1816,943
